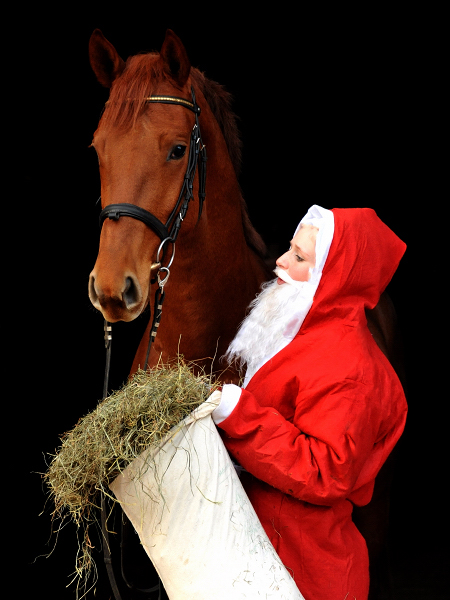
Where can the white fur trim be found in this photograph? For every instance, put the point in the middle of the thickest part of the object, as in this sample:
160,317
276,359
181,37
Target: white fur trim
323,219
228,401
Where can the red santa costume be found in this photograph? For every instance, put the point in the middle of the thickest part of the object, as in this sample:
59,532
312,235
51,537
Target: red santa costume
319,415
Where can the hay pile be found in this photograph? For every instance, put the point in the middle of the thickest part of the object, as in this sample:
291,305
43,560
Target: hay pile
105,441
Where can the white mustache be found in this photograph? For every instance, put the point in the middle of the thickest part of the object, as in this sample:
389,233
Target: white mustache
287,278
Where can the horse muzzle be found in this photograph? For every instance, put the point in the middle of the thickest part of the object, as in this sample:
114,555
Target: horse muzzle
122,301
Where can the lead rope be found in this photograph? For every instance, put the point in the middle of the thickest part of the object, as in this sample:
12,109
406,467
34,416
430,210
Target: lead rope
159,299
107,328
106,543
157,312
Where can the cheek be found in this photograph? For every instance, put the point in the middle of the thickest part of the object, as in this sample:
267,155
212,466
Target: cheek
299,272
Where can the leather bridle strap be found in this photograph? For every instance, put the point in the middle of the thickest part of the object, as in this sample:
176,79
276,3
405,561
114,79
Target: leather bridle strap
176,100
115,211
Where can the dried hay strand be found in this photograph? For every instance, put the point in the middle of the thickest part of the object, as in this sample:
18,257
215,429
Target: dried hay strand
106,440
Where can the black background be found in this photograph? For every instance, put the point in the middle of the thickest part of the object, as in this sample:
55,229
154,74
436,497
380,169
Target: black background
336,108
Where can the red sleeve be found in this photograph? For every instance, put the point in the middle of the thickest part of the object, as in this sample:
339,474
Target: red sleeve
318,457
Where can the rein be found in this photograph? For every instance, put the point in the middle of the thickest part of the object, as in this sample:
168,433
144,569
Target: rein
168,233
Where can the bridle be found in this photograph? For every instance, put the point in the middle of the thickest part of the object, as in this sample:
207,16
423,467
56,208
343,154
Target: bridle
169,230
168,233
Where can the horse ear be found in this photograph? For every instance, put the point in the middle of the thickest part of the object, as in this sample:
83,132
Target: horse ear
105,61
176,63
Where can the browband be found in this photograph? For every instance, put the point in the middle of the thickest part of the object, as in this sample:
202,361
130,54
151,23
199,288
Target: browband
174,100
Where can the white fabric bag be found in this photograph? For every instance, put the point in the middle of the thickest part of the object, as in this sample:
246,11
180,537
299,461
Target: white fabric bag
195,520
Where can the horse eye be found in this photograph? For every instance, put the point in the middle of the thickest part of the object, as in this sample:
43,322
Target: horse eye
177,152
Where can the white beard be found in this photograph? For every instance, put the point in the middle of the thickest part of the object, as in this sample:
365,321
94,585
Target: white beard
276,315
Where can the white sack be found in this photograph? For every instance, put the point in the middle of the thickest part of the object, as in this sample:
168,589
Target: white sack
195,520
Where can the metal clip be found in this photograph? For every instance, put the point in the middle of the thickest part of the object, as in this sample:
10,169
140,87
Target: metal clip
162,282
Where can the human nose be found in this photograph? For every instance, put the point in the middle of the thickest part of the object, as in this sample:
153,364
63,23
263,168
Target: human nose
282,261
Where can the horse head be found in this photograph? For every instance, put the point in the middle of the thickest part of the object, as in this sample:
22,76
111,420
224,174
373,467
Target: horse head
144,144
142,151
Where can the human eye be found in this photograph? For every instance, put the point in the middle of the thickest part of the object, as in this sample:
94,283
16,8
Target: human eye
298,258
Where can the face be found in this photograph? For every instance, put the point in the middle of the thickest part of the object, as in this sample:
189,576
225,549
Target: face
301,255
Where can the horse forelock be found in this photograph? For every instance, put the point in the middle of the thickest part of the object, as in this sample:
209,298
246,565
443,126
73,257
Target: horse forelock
126,103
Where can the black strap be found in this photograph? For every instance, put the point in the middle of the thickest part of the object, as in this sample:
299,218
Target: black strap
109,566
115,211
107,552
157,311
126,524
202,180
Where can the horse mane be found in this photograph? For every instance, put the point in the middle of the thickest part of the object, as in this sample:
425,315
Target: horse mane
140,79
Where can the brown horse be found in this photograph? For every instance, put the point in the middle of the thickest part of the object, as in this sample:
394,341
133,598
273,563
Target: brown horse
142,149
218,268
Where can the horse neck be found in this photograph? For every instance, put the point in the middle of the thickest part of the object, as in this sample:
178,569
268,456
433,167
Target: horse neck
218,240
215,274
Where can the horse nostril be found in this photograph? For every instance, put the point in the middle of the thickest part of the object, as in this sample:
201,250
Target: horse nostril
92,291
130,294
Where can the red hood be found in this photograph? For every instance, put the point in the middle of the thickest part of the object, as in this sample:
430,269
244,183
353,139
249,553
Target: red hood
363,257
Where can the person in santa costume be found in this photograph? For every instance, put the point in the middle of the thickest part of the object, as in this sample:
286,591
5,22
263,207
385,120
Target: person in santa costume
320,408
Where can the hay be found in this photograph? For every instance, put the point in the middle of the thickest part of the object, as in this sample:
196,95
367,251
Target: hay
105,441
